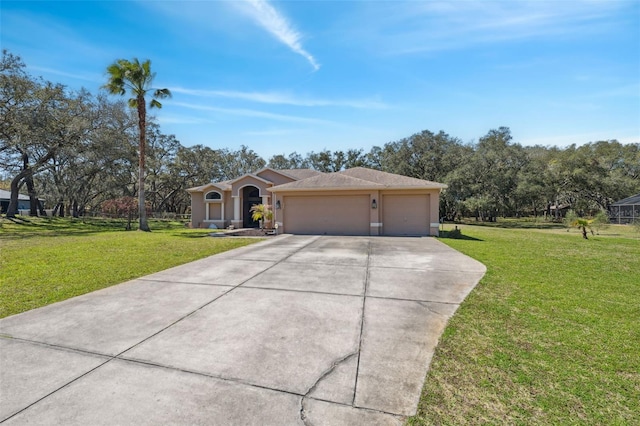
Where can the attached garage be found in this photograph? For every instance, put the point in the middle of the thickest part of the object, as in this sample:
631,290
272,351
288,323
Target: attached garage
405,214
326,214
357,201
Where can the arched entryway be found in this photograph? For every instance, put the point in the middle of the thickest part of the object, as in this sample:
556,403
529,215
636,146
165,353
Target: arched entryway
250,197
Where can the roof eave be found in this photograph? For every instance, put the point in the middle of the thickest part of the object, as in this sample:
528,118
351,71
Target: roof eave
206,187
326,188
356,188
250,175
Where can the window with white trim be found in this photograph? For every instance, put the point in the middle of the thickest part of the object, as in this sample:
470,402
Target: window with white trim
213,196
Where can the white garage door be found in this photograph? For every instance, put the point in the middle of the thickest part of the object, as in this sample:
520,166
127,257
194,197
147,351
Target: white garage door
326,214
405,215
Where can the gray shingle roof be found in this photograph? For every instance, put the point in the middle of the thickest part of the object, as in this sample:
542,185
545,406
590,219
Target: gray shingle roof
7,195
633,200
357,178
390,179
326,182
298,174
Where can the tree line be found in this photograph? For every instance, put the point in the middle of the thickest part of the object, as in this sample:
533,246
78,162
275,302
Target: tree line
77,150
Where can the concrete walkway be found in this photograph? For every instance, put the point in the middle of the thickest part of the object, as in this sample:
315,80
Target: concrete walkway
295,330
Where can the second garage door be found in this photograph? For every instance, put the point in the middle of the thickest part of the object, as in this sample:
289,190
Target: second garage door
328,214
405,215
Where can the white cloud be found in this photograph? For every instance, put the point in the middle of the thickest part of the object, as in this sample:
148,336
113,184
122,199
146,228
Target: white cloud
251,113
413,27
181,119
282,98
94,78
265,15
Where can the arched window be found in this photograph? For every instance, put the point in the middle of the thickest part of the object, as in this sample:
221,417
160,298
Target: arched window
213,196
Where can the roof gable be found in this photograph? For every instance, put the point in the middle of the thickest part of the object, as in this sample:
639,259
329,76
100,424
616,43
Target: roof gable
223,186
250,177
288,174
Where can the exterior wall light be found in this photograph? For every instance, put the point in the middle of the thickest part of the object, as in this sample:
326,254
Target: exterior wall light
374,204
278,206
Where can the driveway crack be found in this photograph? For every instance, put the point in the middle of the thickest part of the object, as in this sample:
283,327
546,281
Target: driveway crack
327,372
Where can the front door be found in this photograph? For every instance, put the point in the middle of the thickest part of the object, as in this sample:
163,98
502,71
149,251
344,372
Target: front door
250,197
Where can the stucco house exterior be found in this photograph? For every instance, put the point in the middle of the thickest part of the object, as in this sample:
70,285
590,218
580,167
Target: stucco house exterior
357,201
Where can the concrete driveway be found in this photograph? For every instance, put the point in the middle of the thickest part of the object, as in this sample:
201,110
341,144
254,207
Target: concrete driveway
295,330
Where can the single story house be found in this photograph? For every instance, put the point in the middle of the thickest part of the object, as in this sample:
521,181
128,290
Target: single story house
23,201
357,201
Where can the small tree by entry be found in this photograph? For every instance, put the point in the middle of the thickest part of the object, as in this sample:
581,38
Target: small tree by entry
261,213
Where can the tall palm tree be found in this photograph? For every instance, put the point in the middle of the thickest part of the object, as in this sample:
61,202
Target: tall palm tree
137,78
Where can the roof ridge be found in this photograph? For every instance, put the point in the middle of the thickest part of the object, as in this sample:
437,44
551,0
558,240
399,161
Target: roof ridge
389,175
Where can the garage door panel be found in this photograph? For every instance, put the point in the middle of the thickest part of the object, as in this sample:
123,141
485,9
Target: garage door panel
331,215
405,214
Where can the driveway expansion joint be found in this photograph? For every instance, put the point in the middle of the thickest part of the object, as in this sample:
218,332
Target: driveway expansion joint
184,282
428,306
58,347
206,304
208,375
68,383
362,321
294,290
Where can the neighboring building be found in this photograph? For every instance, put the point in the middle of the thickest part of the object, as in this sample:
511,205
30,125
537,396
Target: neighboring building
356,201
23,201
562,210
625,211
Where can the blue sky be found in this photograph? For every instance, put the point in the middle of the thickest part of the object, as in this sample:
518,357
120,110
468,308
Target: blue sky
311,75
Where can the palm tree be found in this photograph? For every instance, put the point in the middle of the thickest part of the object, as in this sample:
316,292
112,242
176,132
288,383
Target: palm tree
261,213
571,220
137,78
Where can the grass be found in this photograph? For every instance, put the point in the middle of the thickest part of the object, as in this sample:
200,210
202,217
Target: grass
43,261
551,335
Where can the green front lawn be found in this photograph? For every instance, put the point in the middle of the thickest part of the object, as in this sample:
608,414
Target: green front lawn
43,261
551,335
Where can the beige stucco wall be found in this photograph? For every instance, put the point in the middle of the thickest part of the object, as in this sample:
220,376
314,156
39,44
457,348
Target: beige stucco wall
250,181
197,209
434,226
274,177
